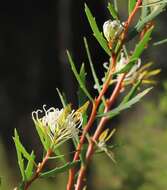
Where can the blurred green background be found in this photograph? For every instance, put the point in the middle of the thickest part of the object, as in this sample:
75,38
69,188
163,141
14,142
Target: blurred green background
33,38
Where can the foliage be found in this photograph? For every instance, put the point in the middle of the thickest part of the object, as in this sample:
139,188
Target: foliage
125,72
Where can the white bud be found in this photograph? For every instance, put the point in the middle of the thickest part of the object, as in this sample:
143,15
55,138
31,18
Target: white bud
112,29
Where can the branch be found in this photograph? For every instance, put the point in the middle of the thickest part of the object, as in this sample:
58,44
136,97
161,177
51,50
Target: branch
38,170
98,131
111,100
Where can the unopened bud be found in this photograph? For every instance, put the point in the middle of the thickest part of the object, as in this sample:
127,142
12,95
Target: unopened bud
112,29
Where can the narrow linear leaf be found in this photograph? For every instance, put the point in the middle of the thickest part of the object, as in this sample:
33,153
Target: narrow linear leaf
144,10
101,108
116,5
19,156
98,35
112,11
41,135
131,5
91,65
62,99
127,67
83,154
141,45
160,42
151,16
153,4
126,105
132,92
30,166
81,100
96,80
145,18
58,154
61,169
78,77
21,148
81,95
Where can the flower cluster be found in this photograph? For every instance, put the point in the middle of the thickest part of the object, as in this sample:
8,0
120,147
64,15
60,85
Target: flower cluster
59,125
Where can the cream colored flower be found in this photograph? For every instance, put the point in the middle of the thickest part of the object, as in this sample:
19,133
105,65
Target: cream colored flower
133,71
59,124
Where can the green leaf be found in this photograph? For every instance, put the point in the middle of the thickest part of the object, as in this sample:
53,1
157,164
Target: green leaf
58,154
96,80
83,154
21,149
145,18
62,98
151,16
160,42
61,169
126,105
101,108
91,65
127,67
132,92
112,11
82,85
81,95
141,45
19,155
30,166
131,5
98,35
116,5
41,134
144,10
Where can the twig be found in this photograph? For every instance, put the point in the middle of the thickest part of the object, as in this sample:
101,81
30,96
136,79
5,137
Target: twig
111,100
98,132
87,127
94,110
38,170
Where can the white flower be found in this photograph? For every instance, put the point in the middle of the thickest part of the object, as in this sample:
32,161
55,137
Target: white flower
60,125
131,75
133,71
112,29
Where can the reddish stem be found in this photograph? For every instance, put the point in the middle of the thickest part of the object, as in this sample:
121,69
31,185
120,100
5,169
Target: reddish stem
94,111
98,132
89,124
111,100
39,169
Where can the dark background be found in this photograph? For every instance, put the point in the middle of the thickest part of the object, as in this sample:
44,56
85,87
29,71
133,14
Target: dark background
34,36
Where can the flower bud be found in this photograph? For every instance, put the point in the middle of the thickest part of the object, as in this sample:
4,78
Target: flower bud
112,29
